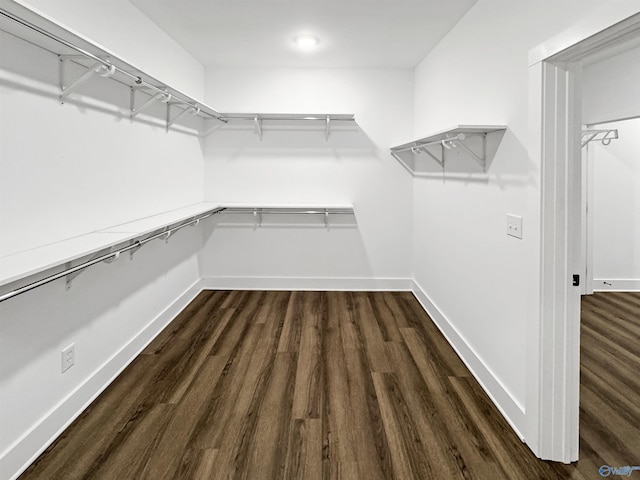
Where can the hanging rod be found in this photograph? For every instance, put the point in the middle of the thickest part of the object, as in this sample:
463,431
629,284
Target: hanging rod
448,143
602,136
258,212
109,257
139,81
258,120
166,233
287,210
289,116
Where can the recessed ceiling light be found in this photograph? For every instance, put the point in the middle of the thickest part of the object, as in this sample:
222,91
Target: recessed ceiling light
306,41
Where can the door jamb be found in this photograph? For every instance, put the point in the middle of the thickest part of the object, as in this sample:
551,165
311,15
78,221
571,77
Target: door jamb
553,354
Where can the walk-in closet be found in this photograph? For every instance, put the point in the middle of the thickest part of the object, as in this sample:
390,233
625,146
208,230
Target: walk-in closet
281,239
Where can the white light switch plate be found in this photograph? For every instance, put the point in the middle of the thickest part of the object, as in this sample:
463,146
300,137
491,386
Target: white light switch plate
514,225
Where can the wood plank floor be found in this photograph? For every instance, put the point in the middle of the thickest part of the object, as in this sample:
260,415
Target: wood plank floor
328,385
610,382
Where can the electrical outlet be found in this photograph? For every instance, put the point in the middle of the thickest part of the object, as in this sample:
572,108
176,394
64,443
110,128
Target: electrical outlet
68,357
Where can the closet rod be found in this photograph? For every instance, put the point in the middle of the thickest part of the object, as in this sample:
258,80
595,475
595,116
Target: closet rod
456,138
288,211
589,136
106,256
136,78
285,117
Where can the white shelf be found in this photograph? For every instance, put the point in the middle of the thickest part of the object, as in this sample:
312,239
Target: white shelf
290,206
259,121
436,146
24,264
22,21
129,237
329,215
148,225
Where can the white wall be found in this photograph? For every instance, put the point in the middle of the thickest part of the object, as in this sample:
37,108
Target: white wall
121,28
68,170
478,281
297,165
80,167
615,203
611,91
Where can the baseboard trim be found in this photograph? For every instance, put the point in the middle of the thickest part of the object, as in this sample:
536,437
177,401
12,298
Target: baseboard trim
616,285
307,284
511,410
26,450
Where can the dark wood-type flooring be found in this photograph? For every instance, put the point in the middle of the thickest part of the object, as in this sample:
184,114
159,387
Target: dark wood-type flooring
327,385
610,381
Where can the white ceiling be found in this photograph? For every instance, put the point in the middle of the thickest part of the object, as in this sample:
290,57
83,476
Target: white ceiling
352,33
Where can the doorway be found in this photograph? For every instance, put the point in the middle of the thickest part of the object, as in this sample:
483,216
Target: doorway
553,373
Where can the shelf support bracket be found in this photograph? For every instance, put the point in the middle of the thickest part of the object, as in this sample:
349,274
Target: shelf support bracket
96,69
72,276
480,159
592,136
257,215
209,131
327,128
161,97
171,121
258,121
440,161
137,245
167,235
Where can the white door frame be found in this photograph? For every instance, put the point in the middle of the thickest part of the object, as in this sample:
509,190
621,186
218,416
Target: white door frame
553,353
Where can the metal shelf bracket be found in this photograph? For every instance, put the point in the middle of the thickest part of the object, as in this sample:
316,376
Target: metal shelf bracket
258,121
602,136
69,278
445,144
157,97
439,160
327,128
482,158
170,121
167,235
212,129
134,247
102,69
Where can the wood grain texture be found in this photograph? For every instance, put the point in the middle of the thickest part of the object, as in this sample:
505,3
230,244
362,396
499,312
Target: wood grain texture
335,385
610,382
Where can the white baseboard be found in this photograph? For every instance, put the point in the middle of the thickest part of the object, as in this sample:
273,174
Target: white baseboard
308,284
27,449
616,285
511,410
